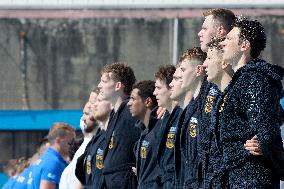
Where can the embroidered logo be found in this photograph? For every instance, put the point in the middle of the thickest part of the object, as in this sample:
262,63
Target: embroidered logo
193,127
50,175
21,179
30,180
88,165
210,100
111,143
99,159
143,149
208,104
170,138
223,104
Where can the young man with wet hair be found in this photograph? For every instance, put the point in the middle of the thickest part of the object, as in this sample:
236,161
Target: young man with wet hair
115,86
219,73
141,103
249,106
217,23
47,171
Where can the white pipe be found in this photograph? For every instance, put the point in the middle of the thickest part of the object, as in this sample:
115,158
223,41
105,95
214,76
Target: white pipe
175,41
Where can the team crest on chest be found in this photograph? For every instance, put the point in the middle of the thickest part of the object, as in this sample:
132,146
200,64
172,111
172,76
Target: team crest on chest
210,100
111,143
208,104
170,138
99,159
143,149
192,127
223,104
88,165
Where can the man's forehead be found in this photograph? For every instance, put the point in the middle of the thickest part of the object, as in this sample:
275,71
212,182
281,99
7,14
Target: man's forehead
106,75
177,72
134,92
159,82
208,19
184,63
188,63
86,107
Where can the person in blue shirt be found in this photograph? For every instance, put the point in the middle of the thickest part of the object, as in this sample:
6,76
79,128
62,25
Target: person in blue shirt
24,166
19,165
47,171
10,170
21,180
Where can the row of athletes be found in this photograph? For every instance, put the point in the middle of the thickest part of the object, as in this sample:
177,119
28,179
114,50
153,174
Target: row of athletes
218,125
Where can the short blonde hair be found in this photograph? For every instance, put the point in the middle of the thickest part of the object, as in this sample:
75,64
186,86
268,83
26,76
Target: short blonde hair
59,130
193,54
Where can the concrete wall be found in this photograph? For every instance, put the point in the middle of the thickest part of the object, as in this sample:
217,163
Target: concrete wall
64,56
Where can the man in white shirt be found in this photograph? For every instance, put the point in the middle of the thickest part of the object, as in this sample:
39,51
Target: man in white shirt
89,127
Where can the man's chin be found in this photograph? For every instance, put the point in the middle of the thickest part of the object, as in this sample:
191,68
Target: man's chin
133,114
203,48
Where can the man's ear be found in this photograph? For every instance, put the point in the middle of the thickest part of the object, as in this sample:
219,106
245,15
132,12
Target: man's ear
221,31
245,45
57,140
200,70
148,102
118,86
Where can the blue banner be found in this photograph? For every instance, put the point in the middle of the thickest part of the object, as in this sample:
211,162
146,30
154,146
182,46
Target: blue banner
37,119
